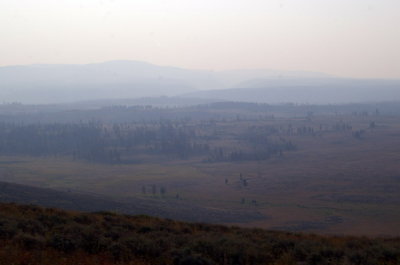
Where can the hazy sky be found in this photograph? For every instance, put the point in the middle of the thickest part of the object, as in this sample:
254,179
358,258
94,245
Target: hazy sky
359,38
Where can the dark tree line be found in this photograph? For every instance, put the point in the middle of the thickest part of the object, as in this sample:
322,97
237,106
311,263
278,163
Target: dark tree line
120,143
80,141
261,146
98,142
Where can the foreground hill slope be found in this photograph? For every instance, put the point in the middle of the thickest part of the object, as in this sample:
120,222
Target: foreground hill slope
24,194
34,235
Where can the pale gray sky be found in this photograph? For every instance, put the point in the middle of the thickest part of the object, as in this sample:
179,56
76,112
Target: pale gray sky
357,38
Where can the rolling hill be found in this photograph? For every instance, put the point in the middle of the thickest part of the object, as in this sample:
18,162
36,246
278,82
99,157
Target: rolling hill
307,91
35,235
111,80
10,192
116,81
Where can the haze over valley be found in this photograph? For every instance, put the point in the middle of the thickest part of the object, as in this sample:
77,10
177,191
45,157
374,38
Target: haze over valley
200,132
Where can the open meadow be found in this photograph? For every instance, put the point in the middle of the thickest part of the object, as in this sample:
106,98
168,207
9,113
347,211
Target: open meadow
325,173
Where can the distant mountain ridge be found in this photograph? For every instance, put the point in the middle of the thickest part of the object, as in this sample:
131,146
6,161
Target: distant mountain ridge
308,91
63,83
115,79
